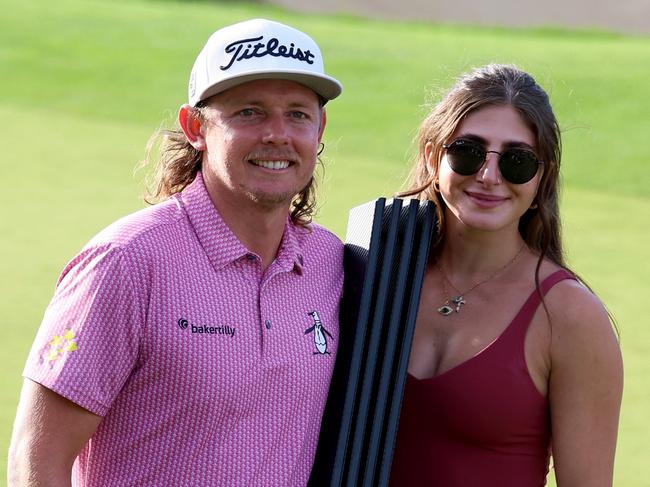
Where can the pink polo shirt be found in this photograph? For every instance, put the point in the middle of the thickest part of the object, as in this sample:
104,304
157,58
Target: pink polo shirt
206,370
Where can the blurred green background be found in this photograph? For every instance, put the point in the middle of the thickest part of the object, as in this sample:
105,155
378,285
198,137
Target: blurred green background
83,84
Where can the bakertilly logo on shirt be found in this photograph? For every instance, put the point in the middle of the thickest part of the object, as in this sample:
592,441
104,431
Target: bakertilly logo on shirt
184,324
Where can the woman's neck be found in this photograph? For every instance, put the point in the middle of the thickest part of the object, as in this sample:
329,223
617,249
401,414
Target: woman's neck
474,253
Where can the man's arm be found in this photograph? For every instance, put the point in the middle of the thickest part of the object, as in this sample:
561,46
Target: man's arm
49,432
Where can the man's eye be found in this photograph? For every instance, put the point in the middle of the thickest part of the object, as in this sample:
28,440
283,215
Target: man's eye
247,112
298,114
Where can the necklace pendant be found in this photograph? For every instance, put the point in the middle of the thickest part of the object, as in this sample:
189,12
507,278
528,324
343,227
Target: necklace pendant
445,310
452,305
458,301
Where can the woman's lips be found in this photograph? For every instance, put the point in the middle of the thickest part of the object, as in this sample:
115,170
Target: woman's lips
486,200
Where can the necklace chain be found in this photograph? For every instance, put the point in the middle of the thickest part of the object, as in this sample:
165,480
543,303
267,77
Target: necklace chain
454,303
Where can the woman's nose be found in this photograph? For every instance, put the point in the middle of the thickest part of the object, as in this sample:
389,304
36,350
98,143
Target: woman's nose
489,172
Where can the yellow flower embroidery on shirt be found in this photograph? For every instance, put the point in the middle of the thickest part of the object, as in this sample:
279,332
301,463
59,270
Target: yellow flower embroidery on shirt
60,344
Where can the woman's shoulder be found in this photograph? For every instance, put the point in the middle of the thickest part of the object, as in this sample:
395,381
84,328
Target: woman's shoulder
578,319
570,298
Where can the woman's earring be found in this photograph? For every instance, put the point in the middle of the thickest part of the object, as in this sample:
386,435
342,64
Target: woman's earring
534,206
436,186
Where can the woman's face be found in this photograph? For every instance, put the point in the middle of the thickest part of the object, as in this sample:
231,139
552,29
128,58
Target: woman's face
485,201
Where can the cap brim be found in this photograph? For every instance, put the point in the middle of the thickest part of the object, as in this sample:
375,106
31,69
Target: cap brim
323,85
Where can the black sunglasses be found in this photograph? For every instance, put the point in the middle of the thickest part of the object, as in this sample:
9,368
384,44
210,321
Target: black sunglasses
517,165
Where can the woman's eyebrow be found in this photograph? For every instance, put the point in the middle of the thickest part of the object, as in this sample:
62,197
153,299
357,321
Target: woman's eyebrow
519,145
509,143
472,137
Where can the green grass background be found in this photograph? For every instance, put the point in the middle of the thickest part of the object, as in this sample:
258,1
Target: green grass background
84,83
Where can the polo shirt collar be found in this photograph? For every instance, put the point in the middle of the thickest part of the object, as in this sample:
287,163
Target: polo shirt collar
219,242
290,255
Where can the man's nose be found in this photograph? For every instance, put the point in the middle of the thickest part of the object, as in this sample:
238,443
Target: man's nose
276,130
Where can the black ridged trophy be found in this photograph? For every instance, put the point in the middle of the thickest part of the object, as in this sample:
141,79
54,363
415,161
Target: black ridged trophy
386,251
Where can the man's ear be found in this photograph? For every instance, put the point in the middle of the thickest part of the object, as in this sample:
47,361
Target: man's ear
189,119
323,122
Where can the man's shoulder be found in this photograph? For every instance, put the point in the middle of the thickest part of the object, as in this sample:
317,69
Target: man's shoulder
132,242
154,224
318,234
320,246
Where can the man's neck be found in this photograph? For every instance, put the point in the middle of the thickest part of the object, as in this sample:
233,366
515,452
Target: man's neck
259,229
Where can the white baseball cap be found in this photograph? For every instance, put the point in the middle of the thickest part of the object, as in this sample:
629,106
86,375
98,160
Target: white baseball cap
259,49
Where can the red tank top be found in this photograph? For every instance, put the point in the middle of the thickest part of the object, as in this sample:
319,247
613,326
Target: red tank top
482,423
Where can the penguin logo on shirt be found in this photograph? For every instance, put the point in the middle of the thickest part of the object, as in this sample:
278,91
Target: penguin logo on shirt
319,331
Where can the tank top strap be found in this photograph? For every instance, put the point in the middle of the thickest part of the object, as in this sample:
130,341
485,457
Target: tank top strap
520,323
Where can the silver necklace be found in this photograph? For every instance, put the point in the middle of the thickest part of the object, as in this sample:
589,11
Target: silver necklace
454,303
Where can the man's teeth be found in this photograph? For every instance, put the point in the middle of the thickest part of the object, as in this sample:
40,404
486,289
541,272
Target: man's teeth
272,164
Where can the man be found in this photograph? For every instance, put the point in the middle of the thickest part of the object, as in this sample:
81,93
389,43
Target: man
193,342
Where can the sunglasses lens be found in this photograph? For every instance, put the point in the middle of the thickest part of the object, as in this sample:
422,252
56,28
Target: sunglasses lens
518,166
465,158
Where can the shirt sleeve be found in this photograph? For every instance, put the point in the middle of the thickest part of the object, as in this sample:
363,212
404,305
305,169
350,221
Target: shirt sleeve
87,344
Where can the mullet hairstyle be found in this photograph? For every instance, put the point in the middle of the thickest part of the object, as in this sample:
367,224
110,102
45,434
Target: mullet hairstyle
178,164
498,85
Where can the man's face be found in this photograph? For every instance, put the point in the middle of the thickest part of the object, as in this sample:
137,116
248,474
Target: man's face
261,141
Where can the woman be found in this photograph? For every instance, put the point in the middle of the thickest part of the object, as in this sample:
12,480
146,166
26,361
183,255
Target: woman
513,357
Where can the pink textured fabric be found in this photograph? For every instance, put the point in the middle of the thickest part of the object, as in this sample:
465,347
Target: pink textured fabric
482,423
206,370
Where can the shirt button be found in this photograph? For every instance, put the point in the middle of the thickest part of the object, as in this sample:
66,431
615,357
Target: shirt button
250,257
267,323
